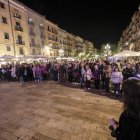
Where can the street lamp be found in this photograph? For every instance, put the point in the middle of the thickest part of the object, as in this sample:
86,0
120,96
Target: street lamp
107,48
126,43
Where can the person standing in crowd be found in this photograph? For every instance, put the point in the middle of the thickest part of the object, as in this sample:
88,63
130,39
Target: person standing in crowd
56,68
33,70
3,72
128,127
128,71
107,71
44,71
51,71
116,79
30,72
76,77
138,69
69,71
13,73
88,76
20,73
62,73
8,72
38,73
25,73
82,72
96,77
101,68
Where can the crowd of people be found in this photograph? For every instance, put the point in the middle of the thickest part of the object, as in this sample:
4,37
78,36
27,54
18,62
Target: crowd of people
87,74
90,74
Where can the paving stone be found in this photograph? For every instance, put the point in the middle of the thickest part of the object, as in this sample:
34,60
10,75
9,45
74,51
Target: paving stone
24,133
54,112
38,136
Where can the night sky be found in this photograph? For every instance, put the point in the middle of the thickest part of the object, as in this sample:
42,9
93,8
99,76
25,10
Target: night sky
100,21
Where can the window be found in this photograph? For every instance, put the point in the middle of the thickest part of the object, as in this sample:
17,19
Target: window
6,36
43,43
19,39
48,28
2,5
33,51
21,51
16,14
8,48
32,42
49,36
31,30
4,20
30,20
18,27
18,24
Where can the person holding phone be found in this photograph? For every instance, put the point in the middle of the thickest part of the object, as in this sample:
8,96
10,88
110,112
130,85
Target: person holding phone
128,127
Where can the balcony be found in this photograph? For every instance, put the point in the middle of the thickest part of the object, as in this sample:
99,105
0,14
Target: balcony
31,23
18,28
55,32
32,34
49,30
67,49
32,44
55,47
79,45
17,16
35,45
41,27
42,36
53,39
20,42
52,31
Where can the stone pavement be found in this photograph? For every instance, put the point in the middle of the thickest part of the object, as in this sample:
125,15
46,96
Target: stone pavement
50,111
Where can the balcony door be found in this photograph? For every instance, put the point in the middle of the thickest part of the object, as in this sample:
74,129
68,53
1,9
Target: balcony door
19,39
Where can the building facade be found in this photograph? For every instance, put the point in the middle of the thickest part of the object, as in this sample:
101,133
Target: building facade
79,45
36,32
6,33
26,32
19,28
52,41
88,47
130,39
66,43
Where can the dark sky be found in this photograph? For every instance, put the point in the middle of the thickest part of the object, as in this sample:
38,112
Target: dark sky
100,21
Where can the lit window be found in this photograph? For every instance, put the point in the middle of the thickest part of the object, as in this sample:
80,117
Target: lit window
30,20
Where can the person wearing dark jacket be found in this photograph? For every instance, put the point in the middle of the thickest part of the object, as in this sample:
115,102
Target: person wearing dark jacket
128,127
20,73
128,72
96,77
69,71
